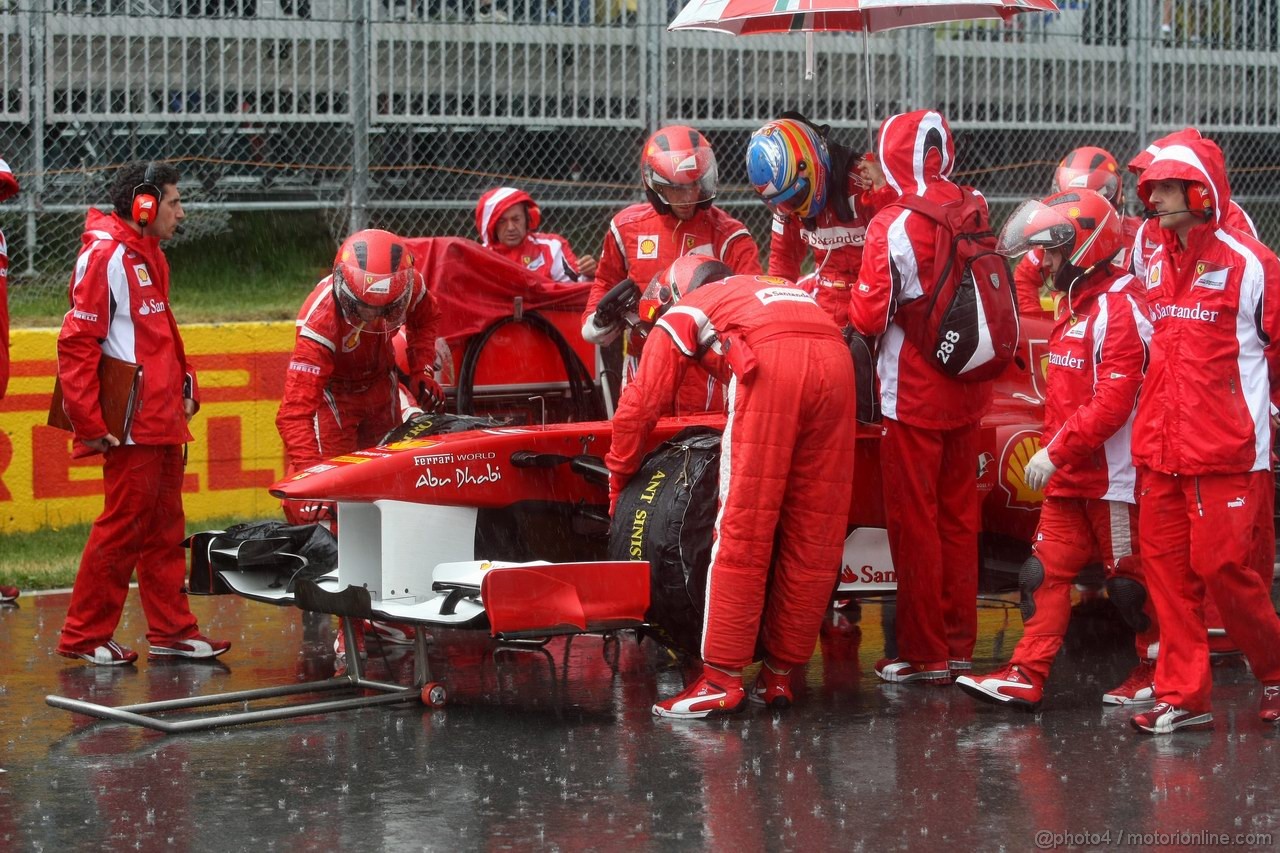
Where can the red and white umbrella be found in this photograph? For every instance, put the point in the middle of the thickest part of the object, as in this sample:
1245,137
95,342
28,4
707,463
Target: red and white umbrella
757,17
761,17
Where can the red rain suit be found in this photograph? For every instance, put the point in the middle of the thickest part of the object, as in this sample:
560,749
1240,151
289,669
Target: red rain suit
1202,432
783,477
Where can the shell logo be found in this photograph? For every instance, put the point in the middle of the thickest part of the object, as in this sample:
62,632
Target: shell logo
648,246
1013,463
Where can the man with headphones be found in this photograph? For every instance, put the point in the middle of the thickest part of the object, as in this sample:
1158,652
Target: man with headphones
120,308
1202,433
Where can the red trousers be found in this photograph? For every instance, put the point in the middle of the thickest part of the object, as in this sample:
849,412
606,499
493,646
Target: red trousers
783,479
1196,536
931,504
1072,531
142,526
1263,560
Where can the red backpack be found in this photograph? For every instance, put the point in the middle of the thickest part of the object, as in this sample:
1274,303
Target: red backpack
968,320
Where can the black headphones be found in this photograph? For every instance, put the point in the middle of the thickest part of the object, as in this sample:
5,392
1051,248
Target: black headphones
146,197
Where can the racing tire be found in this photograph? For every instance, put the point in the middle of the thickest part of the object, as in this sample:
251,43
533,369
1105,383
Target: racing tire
666,515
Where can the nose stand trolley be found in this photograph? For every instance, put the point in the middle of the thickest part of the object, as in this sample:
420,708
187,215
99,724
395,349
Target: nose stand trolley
513,601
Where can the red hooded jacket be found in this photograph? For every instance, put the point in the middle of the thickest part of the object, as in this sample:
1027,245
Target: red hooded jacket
120,307
898,265
1215,351
1097,357
546,254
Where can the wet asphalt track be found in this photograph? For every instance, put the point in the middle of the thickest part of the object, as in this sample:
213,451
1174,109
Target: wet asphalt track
556,749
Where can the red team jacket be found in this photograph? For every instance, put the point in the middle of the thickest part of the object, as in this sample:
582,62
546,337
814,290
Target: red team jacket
1205,405
642,243
120,308
837,245
898,263
331,357
548,255
1097,357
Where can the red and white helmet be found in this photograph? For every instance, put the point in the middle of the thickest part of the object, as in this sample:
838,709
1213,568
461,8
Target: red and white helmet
678,157
373,280
1080,223
678,281
496,202
1090,168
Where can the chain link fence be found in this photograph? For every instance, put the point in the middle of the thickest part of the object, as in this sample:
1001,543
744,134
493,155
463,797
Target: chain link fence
400,113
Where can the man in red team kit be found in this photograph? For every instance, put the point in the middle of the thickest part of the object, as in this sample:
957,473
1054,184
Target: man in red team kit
930,419
785,479
678,173
822,196
1202,433
341,391
1086,168
120,308
507,220
8,188
1097,355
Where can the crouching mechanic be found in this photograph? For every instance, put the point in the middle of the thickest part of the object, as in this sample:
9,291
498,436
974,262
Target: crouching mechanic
1097,355
1202,433
784,478
341,391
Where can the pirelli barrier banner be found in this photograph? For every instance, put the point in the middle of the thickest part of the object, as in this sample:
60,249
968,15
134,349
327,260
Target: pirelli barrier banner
235,456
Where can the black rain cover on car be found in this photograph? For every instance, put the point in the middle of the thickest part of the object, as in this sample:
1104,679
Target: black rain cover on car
666,515
430,423
291,551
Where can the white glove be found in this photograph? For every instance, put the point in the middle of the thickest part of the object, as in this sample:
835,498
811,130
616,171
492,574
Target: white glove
1038,470
600,336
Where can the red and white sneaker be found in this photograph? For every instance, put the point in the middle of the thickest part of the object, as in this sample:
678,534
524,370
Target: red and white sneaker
109,653
772,689
705,698
9,593
1138,689
899,671
198,647
396,633
1008,686
1269,707
1165,719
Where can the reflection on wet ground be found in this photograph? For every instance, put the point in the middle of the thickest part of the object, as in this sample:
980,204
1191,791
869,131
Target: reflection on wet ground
555,747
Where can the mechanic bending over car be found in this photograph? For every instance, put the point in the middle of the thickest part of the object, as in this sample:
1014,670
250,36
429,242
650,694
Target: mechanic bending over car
822,195
1097,355
507,220
678,173
1202,433
783,478
341,390
120,309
